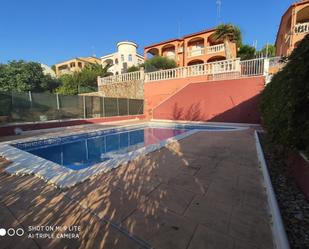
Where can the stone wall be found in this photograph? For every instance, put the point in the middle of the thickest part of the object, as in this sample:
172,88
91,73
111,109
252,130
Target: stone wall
131,90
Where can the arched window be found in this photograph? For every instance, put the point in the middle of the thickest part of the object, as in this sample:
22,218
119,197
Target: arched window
122,57
116,61
130,57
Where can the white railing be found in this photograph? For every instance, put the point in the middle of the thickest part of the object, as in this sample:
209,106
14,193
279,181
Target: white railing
252,67
215,49
301,28
196,52
219,67
226,69
127,77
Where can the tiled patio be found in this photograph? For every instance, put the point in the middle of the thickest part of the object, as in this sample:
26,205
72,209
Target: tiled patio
204,191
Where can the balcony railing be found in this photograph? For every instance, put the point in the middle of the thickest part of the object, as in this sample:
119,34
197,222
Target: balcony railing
215,49
196,52
301,28
209,50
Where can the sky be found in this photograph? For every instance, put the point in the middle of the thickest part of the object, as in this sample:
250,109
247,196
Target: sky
50,31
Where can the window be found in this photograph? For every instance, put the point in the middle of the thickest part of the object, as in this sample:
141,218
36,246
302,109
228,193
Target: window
130,57
122,57
116,61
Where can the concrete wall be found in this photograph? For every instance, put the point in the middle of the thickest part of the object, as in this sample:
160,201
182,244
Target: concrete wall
221,101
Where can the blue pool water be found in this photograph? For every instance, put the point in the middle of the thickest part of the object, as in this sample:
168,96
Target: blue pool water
81,152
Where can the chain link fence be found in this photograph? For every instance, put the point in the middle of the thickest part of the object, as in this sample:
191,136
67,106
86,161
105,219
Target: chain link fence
33,107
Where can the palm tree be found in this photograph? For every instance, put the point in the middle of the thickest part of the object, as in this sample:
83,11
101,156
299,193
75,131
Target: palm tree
227,33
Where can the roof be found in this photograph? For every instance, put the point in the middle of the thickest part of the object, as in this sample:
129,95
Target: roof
180,39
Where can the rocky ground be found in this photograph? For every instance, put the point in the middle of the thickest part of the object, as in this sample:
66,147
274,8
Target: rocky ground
293,205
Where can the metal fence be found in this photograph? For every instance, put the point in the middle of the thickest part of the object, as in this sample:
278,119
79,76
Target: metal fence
33,107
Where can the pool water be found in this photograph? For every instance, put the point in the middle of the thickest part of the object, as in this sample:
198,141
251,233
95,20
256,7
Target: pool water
84,152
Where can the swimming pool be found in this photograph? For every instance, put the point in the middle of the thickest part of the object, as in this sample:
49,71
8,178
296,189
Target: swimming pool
80,152
75,157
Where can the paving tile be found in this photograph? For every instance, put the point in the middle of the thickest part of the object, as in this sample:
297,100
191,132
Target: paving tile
161,229
12,184
189,183
205,238
115,206
222,191
251,226
172,198
100,236
255,198
213,214
28,195
241,244
7,220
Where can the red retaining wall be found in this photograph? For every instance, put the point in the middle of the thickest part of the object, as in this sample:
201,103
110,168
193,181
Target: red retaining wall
300,171
220,101
157,91
9,130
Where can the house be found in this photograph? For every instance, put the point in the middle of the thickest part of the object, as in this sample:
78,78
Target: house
192,49
294,26
125,57
74,65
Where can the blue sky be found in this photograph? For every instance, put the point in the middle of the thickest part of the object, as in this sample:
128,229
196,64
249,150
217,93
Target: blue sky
50,31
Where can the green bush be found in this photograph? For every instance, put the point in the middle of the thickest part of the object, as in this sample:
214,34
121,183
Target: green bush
285,101
159,62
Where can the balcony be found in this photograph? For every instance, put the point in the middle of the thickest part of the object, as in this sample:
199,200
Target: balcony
209,50
215,49
301,28
196,52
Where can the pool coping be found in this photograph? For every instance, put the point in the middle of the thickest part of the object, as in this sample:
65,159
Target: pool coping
25,163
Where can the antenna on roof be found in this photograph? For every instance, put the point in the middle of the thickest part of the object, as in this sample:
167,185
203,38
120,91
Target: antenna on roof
218,2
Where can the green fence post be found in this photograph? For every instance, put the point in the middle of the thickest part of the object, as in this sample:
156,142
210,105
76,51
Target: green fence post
103,104
84,104
128,109
118,107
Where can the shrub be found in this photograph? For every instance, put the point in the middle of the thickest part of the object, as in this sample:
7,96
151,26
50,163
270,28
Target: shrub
159,62
133,69
285,101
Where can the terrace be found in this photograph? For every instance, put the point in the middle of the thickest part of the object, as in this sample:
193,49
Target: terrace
179,196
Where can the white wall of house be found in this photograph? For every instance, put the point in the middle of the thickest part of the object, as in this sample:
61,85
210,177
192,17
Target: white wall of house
125,57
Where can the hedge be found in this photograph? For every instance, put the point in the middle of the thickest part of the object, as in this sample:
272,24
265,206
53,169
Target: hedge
285,102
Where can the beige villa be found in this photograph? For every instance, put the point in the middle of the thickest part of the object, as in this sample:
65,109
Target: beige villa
74,65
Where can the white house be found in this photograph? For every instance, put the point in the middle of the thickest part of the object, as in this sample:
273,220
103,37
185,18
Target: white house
125,57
